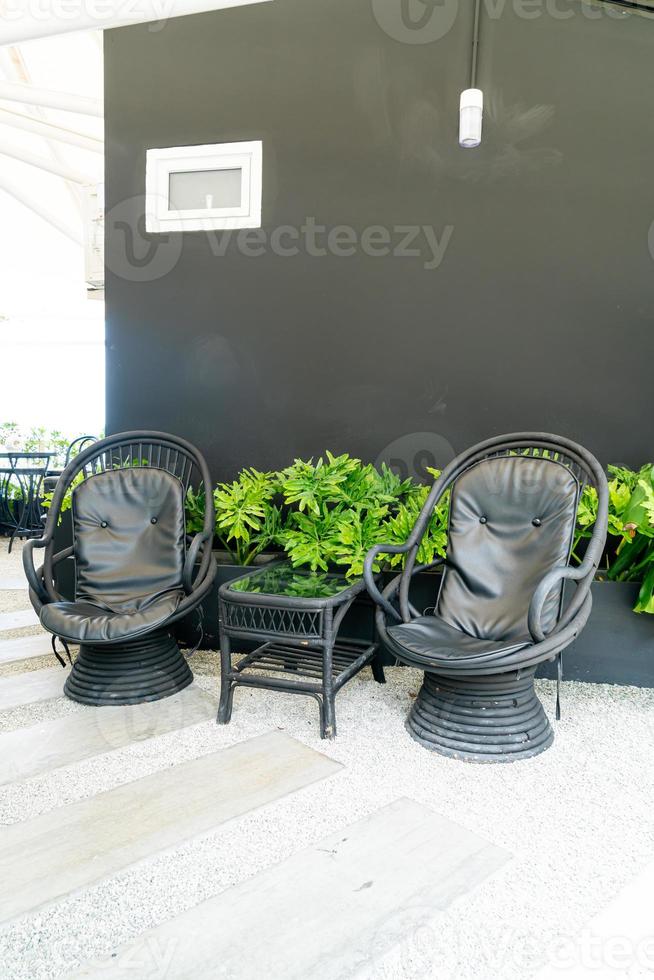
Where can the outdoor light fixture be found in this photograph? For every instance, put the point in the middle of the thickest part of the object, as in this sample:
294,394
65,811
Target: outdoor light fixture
470,115
471,106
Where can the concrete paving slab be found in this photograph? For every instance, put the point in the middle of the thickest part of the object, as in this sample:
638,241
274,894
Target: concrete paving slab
67,849
26,648
49,745
616,944
18,620
331,911
13,584
37,685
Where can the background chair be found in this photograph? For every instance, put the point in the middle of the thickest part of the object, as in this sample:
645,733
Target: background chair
500,607
135,572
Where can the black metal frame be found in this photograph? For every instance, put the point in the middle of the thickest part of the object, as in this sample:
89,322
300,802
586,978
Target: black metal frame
644,8
456,712
146,666
28,521
300,638
77,446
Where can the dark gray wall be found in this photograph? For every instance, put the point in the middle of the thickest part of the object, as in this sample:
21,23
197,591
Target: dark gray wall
541,313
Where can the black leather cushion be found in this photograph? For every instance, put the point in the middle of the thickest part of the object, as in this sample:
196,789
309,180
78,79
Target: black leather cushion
86,622
429,640
124,559
512,519
129,540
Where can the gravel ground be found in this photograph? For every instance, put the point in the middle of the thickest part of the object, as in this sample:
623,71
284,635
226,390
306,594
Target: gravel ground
24,631
13,600
11,565
24,666
578,821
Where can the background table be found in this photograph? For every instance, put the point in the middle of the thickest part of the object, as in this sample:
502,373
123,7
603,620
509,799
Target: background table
22,473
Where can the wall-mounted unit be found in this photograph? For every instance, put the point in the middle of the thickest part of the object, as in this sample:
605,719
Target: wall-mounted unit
203,188
93,212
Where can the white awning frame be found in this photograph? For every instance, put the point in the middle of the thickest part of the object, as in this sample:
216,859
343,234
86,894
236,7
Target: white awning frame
26,20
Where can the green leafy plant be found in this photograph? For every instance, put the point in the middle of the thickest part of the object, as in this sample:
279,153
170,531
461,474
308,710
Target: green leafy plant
434,542
338,508
194,507
67,501
630,551
247,518
335,510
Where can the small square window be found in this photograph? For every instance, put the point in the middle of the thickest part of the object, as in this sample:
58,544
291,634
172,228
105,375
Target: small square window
200,188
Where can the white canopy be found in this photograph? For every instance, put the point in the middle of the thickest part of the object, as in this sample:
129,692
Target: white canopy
24,20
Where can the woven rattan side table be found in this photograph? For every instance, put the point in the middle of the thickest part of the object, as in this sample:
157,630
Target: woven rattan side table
294,615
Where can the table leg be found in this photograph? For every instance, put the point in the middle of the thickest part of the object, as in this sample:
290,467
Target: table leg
328,717
378,668
19,525
226,684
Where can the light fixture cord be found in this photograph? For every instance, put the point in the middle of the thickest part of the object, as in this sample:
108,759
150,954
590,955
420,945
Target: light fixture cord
475,44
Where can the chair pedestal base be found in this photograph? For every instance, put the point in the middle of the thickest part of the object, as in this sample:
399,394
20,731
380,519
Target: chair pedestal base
146,669
494,718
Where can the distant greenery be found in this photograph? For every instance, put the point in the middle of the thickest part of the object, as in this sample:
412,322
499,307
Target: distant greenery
14,437
36,439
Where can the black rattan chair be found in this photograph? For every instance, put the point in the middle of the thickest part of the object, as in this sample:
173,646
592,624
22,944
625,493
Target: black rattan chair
135,573
500,609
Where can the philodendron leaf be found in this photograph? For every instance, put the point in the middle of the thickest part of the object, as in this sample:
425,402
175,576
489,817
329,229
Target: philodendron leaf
619,495
645,603
648,506
246,517
635,517
630,553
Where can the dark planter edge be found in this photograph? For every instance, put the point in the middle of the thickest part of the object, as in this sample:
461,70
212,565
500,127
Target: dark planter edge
616,646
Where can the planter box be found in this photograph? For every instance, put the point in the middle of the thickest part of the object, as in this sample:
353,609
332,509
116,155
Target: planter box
359,622
617,645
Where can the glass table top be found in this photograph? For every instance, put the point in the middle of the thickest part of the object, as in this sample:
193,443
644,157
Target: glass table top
284,580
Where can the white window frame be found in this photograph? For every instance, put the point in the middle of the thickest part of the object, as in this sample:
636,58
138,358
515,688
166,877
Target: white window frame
161,163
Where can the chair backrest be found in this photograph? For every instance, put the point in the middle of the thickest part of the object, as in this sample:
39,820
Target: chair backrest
512,519
129,536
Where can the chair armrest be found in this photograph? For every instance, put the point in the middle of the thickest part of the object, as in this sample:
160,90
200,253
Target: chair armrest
369,575
35,584
191,557
583,573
